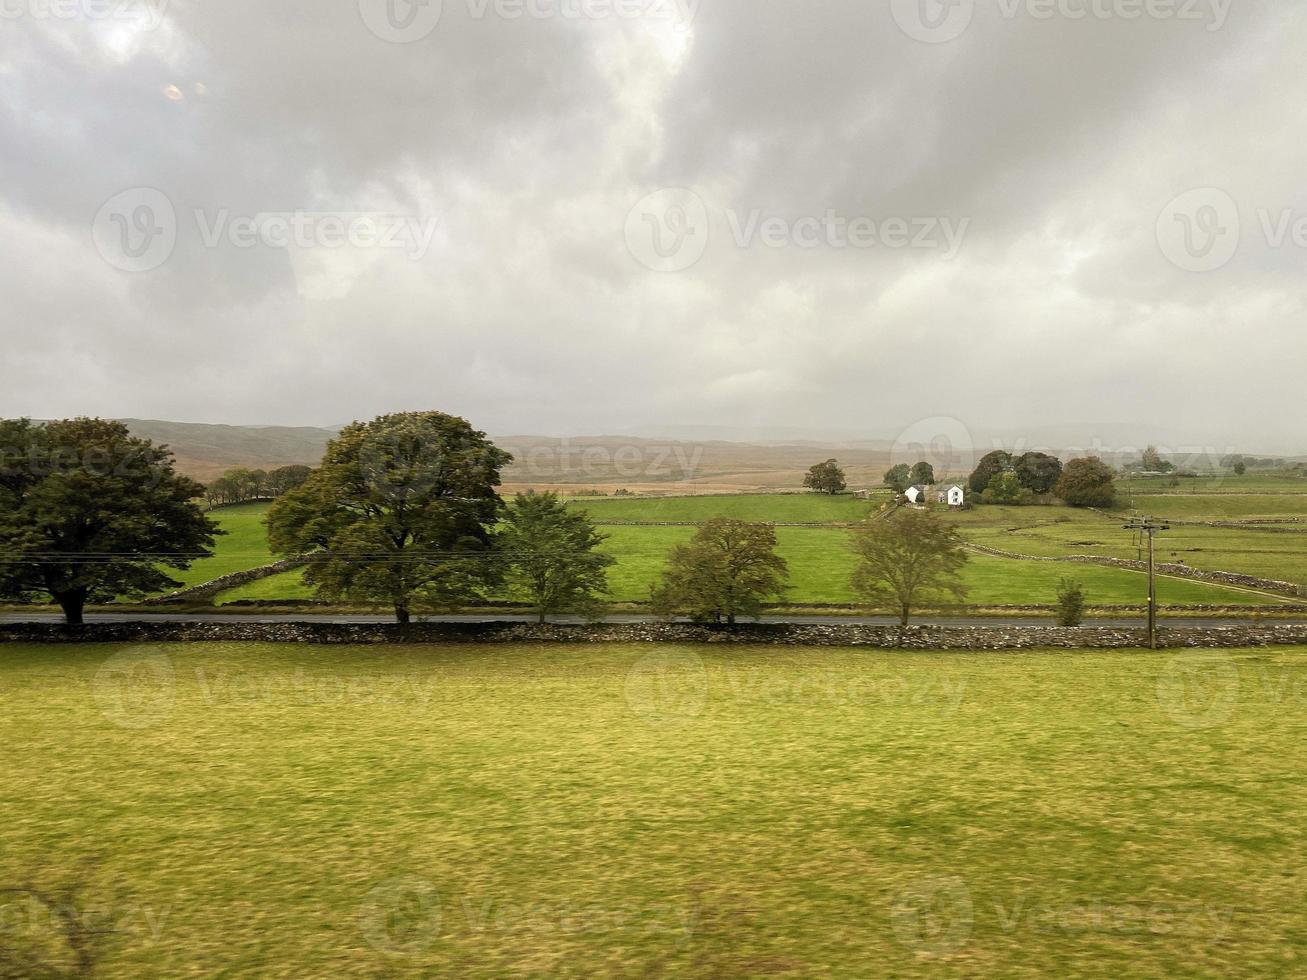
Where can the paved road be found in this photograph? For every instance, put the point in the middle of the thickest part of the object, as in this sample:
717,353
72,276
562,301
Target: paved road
998,621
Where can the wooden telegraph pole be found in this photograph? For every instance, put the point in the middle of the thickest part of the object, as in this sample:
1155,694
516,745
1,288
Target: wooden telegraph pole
1146,525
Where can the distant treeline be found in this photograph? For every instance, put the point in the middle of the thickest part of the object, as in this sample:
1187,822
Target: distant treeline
242,485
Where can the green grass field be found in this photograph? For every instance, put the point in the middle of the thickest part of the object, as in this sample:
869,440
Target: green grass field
778,508
288,811
245,545
821,564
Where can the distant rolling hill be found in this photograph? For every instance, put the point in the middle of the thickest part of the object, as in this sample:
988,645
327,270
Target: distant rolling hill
205,451
606,462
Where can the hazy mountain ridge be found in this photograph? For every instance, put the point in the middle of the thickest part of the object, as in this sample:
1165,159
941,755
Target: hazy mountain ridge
205,450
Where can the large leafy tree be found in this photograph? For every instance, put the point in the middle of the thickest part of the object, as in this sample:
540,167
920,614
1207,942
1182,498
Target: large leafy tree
990,466
89,513
1087,482
287,478
826,477
552,555
1038,472
907,559
401,511
898,477
727,571
922,474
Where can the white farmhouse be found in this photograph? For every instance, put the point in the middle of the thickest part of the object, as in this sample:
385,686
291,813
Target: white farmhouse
953,496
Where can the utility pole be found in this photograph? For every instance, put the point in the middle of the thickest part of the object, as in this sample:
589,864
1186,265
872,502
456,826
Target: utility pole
1146,525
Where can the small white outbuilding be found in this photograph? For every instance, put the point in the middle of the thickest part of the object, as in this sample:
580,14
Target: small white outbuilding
954,496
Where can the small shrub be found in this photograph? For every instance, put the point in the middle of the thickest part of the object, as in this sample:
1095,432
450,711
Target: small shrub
1070,603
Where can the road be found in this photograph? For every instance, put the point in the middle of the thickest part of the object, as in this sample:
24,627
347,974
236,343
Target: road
996,621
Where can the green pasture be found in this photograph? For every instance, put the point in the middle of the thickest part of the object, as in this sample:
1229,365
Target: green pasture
244,546
282,811
821,564
763,508
1217,483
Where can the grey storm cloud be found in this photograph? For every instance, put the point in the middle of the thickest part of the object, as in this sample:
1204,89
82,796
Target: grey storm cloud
585,216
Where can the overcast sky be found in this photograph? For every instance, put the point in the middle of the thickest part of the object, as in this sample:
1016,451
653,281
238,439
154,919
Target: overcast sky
597,216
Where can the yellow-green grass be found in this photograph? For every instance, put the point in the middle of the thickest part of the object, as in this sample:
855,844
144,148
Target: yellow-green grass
807,508
289,811
1220,483
821,563
1224,507
244,546
1275,552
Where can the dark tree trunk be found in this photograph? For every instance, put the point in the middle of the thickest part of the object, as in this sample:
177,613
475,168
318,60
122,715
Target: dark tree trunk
73,604
541,617
402,615
903,615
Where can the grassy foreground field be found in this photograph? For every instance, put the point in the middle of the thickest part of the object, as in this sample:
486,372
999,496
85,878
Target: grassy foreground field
279,811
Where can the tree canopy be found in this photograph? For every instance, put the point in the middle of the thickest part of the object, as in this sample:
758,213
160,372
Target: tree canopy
908,558
826,477
923,474
897,477
1087,482
401,511
727,571
90,513
552,555
990,466
1038,472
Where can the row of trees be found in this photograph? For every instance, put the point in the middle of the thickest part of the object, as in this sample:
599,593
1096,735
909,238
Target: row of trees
999,478
829,477
403,510
730,569
241,484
